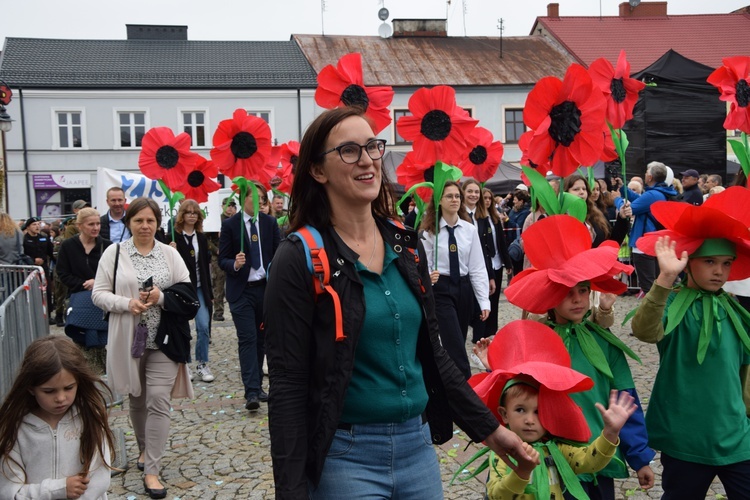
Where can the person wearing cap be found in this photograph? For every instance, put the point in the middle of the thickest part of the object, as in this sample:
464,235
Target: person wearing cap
528,388
71,228
564,270
691,191
698,413
38,246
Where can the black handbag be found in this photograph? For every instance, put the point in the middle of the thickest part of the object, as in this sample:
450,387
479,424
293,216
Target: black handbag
105,316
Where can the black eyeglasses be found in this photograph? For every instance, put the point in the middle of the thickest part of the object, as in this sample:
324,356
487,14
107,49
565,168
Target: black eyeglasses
351,152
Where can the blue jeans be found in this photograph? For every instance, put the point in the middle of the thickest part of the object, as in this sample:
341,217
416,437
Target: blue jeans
201,328
247,314
372,461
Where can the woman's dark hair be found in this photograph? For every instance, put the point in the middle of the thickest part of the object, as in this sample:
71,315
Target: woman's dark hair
740,179
520,194
139,204
308,202
431,216
594,216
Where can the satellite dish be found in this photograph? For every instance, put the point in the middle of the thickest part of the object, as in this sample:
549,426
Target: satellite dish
634,3
383,14
385,30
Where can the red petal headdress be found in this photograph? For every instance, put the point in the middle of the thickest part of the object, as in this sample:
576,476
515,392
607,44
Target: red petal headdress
525,347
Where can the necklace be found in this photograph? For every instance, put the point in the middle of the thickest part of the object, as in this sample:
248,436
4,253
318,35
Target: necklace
374,245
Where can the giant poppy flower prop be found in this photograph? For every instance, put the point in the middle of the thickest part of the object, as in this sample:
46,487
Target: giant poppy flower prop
289,155
438,128
344,86
5,94
242,146
559,250
733,81
482,157
567,118
200,180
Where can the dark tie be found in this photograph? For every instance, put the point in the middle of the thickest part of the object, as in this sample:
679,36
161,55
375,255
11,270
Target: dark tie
189,240
453,255
471,214
254,247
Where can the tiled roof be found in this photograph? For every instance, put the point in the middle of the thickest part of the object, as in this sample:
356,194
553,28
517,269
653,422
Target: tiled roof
705,38
426,61
175,64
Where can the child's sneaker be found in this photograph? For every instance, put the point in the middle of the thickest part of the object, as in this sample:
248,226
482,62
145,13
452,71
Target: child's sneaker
205,373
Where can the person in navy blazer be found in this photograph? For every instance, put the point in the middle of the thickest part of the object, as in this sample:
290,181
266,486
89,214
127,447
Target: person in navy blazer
245,287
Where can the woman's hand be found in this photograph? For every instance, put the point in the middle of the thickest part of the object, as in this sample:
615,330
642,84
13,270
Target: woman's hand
434,276
136,307
505,443
88,284
150,297
173,244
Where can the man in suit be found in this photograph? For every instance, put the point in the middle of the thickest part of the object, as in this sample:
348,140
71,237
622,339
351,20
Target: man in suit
246,285
113,222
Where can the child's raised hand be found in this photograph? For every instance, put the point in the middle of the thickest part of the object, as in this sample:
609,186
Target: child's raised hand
646,477
526,467
480,349
621,406
606,301
670,266
75,486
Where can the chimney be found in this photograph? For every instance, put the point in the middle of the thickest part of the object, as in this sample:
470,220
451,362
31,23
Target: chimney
644,9
156,32
553,10
404,28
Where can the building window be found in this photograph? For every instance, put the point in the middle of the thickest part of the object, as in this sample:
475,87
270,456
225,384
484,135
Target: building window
194,124
264,115
470,111
397,139
132,128
514,126
69,129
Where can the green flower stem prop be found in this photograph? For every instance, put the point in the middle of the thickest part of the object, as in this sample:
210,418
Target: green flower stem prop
620,139
417,200
172,198
742,152
545,195
243,184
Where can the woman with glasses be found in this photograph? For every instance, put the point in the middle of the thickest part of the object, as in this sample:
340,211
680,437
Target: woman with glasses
192,245
460,274
355,416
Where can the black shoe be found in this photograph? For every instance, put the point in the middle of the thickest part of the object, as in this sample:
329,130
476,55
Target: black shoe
252,404
59,321
155,492
51,321
141,466
218,318
263,396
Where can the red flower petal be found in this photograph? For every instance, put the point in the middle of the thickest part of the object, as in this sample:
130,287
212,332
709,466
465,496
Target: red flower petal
199,181
165,156
605,77
242,146
482,156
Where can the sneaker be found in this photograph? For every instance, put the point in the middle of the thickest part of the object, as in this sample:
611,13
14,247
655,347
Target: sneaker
476,361
640,295
190,374
205,373
252,404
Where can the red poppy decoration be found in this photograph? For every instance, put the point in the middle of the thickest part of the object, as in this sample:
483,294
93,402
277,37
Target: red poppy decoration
437,126
200,180
523,145
5,94
609,152
733,81
567,118
344,86
412,172
242,146
620,91
559,250
166,157
287,169
482,156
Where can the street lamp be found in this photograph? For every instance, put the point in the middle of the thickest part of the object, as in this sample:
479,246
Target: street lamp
6,124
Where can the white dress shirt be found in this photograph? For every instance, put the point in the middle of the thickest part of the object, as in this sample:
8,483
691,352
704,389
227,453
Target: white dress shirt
255,274
470,257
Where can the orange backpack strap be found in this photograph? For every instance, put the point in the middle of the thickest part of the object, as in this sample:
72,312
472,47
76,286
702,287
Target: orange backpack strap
317,264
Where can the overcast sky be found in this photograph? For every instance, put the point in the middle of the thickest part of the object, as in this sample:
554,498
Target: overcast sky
278,19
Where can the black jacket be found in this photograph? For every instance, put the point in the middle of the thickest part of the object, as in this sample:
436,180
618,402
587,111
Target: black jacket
74,265
173,336
310,371
204,264
488,246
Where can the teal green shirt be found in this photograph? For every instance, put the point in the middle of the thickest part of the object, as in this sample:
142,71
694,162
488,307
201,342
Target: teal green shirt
387,384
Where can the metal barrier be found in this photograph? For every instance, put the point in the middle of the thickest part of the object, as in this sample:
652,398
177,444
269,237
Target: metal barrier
23,317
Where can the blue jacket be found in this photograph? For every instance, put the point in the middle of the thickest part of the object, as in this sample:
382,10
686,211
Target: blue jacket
641,205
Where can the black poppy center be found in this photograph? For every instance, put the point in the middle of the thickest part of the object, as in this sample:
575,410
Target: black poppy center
436,125
429,174
196,178
293,161
566,122
244,145
478,155
743,93
618,90
167,156
354,95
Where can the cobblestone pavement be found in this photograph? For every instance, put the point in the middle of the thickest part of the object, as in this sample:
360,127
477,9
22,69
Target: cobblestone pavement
218,450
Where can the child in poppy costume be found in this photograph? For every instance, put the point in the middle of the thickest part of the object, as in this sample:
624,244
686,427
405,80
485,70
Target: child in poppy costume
564,270
701,334
531,375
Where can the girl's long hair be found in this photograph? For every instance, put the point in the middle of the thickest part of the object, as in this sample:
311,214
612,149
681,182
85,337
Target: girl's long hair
8,226
594,216
180,219
44,359
431,216
492,211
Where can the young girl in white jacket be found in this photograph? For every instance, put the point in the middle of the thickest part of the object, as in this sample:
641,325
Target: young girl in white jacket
55,440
